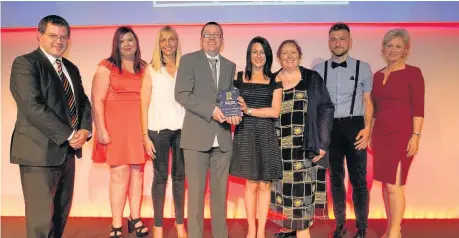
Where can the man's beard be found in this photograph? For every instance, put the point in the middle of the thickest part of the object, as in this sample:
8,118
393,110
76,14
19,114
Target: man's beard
345,52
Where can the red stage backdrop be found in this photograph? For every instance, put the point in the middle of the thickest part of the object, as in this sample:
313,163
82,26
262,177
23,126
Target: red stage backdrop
432,190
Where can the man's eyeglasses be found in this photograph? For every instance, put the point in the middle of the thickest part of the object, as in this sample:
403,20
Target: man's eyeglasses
209,35
55,37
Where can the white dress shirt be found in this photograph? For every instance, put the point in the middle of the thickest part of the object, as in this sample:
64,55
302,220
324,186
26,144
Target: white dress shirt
53,59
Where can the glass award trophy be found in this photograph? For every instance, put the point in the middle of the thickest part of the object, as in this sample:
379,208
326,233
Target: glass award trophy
227,102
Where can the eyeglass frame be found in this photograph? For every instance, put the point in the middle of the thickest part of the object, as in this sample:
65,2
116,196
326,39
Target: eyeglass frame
210,35
55,37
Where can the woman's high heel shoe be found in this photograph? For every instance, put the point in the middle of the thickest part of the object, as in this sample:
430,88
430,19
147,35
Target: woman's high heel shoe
138,230
116,231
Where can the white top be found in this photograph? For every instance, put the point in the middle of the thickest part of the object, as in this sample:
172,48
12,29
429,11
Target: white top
218,80
164,112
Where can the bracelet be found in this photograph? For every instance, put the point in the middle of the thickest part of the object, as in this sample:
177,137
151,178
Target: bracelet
418,134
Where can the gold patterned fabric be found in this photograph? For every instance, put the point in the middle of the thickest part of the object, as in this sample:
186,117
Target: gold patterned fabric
300,197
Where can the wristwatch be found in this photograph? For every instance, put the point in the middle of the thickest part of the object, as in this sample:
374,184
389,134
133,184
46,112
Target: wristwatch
249,111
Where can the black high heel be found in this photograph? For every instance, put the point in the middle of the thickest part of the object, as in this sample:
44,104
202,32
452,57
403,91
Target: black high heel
116,231
138,230
281,234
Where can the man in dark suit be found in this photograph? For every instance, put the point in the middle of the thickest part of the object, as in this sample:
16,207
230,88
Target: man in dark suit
206,137
53,122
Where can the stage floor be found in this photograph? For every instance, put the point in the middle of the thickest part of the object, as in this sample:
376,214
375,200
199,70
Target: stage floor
14,227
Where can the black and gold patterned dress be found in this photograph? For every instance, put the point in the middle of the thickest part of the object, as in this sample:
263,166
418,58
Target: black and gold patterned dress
300,197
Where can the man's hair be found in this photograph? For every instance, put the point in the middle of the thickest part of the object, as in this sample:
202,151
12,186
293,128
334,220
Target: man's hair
211,23
55,20
338,27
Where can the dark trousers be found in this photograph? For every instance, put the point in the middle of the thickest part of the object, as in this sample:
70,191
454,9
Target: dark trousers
162,141
342,145
48,193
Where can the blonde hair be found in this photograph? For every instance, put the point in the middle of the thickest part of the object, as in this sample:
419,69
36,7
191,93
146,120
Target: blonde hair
157,60
398,32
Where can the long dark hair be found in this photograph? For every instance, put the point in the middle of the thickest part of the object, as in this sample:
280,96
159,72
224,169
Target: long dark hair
269,57
115,57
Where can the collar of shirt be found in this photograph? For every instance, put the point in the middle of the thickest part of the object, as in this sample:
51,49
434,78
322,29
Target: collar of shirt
348,60
51,58
334,59
216,57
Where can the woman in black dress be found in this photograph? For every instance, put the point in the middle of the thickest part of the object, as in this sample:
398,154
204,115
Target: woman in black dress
304,129
256,153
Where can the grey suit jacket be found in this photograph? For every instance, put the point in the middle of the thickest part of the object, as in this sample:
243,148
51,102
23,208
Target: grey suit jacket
195,90
43,124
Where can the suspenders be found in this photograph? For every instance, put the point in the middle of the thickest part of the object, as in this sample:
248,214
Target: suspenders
355,86
356,83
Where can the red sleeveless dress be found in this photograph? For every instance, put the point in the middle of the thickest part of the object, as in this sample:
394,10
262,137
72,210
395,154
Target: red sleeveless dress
122,120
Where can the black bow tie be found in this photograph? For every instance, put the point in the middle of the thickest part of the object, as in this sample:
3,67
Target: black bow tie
342,64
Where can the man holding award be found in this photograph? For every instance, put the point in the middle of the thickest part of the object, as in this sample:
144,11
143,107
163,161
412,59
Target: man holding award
206,135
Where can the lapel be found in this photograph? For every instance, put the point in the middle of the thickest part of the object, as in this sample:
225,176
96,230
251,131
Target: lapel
206,66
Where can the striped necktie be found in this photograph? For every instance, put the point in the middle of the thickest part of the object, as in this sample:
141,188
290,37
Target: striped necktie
68,95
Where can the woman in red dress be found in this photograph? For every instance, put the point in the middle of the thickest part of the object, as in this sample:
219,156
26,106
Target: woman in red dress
116,105
398,94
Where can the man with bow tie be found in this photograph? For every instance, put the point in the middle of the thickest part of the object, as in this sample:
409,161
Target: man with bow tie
349,83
